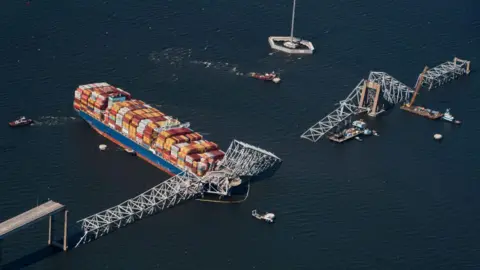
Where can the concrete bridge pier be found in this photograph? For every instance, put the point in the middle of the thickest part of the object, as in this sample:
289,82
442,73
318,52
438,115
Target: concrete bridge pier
51,232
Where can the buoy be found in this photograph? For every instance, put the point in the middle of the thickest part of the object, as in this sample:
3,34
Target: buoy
102,147
437,136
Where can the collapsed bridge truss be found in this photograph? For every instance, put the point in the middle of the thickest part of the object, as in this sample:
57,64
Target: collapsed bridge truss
445,72
360,100
241,159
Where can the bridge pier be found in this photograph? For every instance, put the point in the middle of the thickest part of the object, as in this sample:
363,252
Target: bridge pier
51,232
1,252
34,215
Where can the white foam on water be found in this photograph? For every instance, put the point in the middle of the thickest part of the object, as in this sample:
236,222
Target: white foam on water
54,120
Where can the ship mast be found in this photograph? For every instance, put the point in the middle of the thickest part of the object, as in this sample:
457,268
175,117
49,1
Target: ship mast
293,21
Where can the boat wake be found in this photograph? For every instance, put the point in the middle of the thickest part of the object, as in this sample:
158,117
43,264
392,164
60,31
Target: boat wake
54,120
182,57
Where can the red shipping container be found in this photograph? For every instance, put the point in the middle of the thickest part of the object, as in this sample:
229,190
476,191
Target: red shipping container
148,129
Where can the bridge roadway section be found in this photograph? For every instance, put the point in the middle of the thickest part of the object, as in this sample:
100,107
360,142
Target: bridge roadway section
31,216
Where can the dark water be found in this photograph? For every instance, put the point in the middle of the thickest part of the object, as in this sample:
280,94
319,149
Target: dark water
399,201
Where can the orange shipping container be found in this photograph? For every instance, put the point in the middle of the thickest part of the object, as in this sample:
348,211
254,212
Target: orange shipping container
147,140
194,136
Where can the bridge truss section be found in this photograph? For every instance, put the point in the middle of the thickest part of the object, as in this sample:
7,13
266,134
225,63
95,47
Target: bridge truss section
348,107
445,72
243,159
175,190
393,91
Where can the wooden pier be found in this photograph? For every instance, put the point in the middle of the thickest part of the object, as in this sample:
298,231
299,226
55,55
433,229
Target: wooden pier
34,215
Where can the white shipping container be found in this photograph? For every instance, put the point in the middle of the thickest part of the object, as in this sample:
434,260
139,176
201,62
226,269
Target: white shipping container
138,140
78,95
125,131
111,125
145,122
175,154
189,159
178,146
123,110
96,110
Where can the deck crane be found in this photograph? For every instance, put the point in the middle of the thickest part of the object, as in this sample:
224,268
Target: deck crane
418,85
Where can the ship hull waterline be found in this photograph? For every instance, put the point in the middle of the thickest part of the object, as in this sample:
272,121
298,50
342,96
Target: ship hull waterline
238,194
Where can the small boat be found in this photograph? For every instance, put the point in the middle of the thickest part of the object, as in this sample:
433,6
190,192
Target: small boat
438,136
22,121
358,139
130,151
102,147
265,77
367,132
375,133
268,217
447,116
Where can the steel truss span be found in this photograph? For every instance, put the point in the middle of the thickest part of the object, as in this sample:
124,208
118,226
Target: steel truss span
393,91
241,159
175,190
445,72
348,106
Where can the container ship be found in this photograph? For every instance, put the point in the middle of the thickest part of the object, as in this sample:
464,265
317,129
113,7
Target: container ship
155,137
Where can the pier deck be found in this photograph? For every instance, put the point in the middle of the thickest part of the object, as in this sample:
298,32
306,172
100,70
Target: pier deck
31,216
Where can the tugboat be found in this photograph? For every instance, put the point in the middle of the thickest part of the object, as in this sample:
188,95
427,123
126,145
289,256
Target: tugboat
267,217
447,116
22,121
265,77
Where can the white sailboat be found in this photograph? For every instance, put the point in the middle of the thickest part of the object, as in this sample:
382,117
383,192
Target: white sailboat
291,44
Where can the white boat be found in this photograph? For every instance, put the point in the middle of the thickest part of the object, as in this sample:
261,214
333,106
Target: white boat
358,139
130,151
268,217
447,116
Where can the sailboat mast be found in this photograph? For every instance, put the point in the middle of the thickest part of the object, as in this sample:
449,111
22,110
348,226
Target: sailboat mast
293,20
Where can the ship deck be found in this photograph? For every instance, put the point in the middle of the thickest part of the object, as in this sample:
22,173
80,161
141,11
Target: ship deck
344,138
414,109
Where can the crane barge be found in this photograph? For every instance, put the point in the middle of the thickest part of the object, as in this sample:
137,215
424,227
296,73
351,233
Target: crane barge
419,110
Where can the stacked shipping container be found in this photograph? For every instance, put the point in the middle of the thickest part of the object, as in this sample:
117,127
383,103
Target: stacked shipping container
140,122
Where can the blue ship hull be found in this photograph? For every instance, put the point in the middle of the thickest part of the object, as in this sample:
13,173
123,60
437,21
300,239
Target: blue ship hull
124,141
236,194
